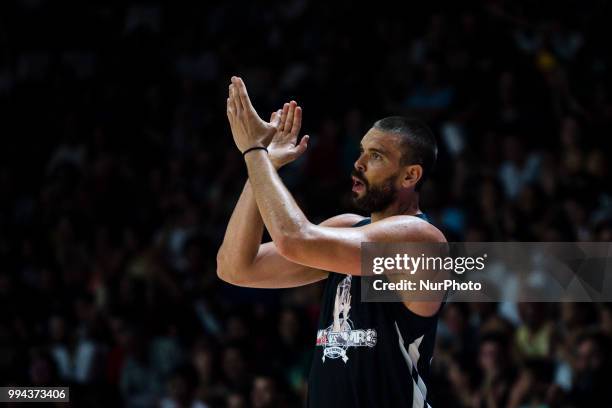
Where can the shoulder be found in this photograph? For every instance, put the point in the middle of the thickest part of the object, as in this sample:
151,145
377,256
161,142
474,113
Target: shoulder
411,228
343,220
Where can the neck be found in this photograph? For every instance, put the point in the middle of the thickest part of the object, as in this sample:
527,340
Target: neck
406,205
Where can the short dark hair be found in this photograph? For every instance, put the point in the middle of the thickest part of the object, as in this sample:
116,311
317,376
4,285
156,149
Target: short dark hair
417,142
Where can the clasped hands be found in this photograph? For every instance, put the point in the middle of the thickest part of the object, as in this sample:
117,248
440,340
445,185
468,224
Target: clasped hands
279,135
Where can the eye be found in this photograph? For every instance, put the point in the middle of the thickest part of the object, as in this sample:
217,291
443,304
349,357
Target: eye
376,156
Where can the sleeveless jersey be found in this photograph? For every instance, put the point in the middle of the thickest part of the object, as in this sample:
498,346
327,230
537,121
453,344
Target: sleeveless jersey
369,355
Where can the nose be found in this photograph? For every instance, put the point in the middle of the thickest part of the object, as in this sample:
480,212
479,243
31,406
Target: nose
359,165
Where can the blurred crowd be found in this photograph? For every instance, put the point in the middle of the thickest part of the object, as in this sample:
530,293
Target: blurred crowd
118,175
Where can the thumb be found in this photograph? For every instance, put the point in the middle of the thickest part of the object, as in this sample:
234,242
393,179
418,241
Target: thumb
303,145
275,119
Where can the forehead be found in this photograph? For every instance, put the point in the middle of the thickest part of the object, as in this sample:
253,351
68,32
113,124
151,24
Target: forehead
381,140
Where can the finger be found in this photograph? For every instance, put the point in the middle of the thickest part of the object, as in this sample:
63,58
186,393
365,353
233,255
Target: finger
229,108
235,96
290,114
302,146
230,114
279,114
243,94
283,118
229,97
275,119
235,104
297,122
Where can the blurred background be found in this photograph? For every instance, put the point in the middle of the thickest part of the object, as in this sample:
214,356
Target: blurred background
118,175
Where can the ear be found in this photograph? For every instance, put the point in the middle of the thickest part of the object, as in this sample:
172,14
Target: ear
412,174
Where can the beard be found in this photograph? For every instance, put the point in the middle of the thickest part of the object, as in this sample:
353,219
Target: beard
376,197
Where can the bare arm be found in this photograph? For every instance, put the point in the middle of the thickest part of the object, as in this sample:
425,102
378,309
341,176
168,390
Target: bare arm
318,246
241,242
297,239
242,260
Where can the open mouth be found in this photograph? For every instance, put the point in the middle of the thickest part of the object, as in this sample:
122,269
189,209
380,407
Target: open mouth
358,185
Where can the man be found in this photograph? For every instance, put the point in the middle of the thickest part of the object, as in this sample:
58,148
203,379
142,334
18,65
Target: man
367,354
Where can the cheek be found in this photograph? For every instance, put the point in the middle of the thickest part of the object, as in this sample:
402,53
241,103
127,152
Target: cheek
377,171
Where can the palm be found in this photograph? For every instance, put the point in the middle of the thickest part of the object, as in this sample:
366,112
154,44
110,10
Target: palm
249,130
284,148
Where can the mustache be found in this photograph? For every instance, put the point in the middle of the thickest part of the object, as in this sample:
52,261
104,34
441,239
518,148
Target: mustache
359,175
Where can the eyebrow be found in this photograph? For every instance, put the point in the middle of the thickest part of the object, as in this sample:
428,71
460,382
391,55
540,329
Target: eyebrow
374,149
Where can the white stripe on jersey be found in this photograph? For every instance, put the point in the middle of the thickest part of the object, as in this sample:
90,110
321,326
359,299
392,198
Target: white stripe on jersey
412,357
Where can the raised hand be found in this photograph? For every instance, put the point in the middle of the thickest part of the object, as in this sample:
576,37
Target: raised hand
284,148
248,129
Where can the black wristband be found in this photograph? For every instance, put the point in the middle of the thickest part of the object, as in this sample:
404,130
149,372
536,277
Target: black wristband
250,149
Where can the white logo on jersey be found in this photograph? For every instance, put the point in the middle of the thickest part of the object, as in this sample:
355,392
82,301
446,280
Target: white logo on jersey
338,337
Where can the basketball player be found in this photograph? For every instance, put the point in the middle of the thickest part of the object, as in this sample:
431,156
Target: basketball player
367,354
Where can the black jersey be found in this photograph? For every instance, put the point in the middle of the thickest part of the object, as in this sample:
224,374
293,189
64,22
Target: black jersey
369,355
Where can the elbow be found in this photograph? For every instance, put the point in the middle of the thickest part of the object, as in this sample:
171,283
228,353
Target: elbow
290,244
223,267
225,273
287,247
228,272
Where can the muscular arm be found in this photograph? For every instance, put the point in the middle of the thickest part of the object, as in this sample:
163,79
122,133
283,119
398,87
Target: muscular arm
318,246
242,259
322,247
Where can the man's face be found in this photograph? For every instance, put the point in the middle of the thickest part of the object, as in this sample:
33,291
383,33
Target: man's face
376,172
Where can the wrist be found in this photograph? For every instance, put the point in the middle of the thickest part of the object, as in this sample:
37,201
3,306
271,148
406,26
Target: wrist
276,163
255,156
253,149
